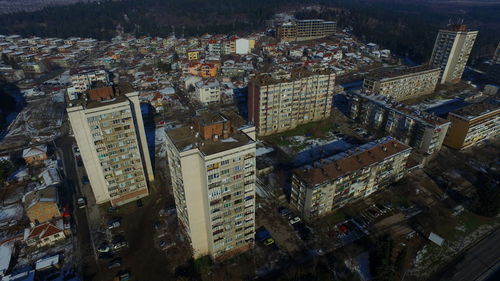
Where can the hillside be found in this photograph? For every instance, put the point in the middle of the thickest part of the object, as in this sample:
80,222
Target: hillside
408,27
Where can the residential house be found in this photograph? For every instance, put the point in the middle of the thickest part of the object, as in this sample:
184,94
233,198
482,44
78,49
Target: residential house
45,234
35,154
41,206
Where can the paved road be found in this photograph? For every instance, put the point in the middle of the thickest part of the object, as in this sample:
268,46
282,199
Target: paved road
84,251
478,263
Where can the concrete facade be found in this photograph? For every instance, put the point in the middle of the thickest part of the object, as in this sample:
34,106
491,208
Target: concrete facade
402,84
213,179
473,124
421,130
278,103
451,52
303,30
330,183
208,91
113,146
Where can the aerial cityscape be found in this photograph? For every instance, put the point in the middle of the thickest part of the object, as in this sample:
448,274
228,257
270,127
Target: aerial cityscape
250,140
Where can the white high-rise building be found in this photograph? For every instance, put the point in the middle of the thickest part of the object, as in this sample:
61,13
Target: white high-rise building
212,167
108,128
451,52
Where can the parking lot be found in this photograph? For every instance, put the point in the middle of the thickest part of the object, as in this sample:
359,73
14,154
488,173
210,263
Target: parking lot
125,237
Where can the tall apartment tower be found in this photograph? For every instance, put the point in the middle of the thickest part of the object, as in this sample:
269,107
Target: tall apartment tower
451,51
109,131
282,101
212,167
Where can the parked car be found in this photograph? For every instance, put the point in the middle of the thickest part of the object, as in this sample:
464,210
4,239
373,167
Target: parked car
119,245
122,276
82,202
139,203
294,220
269,241
262,234
79,163
116,262
114,223
85,180
342,228
283,211
104,248
162,243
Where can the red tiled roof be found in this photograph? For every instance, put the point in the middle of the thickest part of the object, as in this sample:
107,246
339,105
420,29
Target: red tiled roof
44,230
347,165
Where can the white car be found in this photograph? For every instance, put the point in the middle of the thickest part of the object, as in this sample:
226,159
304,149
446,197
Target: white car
103,249
82,202
294,220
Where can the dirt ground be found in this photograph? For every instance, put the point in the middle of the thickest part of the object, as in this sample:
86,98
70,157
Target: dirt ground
143,258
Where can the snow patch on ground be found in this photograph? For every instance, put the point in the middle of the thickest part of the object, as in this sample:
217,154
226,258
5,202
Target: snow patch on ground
160,138
11,212
427,261
229,140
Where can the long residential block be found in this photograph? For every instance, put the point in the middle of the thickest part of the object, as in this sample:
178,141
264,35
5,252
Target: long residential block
421,130
473,124
330,183
302,30
401,84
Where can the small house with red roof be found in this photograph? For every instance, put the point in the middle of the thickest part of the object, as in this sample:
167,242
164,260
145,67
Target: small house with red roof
44,234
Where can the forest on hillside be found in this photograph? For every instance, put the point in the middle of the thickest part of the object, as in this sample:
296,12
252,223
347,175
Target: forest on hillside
407,27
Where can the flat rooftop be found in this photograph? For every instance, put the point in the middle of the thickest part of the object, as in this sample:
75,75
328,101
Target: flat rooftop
120,90
478,109
336,166
206,117
387,102
86,69
295,74
187,138
394,72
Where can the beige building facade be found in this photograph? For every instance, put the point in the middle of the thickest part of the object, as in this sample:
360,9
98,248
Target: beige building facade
451,52
282,101
112,140
330,183
212,167
402,84
473,124
302,30
421,130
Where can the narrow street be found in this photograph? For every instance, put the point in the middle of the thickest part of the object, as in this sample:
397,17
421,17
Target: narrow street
71,192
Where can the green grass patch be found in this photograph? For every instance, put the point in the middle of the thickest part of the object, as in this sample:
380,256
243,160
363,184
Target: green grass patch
317,129
465,224
334,218
203,265
471,221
